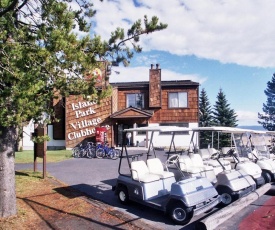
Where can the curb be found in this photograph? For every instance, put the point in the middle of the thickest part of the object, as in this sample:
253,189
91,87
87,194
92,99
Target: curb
217,218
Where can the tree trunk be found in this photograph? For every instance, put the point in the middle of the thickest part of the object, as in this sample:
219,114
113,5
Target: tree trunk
7,172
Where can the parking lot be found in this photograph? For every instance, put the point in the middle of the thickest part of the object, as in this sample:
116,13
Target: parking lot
95,177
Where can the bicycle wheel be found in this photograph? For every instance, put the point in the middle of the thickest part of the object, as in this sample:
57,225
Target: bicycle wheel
76,152
114,153
100,153
111,154
91,152
118,152
82,153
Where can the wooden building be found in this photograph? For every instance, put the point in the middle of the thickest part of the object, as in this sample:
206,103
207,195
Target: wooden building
132,104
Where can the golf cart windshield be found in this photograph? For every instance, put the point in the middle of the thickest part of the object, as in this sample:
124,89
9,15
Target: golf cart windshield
259,141
213,137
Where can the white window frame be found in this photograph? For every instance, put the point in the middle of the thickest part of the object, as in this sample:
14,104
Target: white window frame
135,100
178,99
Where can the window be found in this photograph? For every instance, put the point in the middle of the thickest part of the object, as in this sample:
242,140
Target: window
177,100
135,100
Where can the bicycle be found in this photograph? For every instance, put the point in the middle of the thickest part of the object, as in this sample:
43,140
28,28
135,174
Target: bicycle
76,152
88,151
103,150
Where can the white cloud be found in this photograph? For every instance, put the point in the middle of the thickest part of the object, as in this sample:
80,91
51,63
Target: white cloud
247,118
229,31
137,74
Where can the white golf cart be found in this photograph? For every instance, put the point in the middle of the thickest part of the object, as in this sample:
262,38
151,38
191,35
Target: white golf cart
231,184
146,182
258,152
239,158
270,143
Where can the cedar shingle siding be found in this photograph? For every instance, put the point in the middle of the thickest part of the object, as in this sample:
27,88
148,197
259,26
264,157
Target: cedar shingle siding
81,118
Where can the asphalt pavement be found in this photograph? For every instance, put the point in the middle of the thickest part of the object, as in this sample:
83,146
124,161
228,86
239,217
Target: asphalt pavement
95,178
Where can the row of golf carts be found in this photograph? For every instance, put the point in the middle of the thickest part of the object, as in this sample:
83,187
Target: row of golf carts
194,181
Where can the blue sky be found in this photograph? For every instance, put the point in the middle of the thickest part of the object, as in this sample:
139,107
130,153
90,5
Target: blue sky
227,44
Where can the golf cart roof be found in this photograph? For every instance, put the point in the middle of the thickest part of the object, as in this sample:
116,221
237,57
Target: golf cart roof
258,131
159,129
270,132
221,129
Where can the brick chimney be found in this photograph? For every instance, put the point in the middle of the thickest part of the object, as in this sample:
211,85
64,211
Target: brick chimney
155,87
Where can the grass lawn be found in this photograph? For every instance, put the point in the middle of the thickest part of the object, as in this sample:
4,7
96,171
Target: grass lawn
52,156
50,204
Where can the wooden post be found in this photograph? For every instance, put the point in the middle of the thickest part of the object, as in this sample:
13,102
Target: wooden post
40,148
34,149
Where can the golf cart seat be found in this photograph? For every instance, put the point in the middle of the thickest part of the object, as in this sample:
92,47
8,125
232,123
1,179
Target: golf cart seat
225,150
206,157
198,162
225,162
206,170
240,158
186,165
167,178
156,167
140,172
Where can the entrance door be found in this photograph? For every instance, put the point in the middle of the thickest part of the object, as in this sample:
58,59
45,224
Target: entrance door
121,136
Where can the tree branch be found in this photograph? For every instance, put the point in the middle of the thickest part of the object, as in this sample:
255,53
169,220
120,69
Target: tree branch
12,7
9,8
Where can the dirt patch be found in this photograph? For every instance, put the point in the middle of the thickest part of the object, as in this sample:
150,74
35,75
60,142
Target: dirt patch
48,204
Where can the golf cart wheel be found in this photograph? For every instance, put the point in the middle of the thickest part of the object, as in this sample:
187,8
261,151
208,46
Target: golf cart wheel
123,195
226,197
179,214
266,176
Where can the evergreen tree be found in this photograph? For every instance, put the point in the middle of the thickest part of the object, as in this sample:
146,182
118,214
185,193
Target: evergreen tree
224,116
205,118
42,57
268,118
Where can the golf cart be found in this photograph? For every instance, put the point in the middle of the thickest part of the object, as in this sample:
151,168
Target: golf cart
207,153
146,182
270,143
258,152
231,184
238,154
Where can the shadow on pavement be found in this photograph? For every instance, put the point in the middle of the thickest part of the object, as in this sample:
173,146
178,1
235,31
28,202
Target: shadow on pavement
69,192
271,192
138,210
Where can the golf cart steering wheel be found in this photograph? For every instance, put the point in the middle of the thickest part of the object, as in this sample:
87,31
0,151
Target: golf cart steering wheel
230,152
215,155
172,160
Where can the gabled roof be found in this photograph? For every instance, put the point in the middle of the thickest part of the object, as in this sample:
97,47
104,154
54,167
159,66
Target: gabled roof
132,112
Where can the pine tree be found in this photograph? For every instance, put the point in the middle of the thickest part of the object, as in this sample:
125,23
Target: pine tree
205,118
268,118
43,57
224,116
